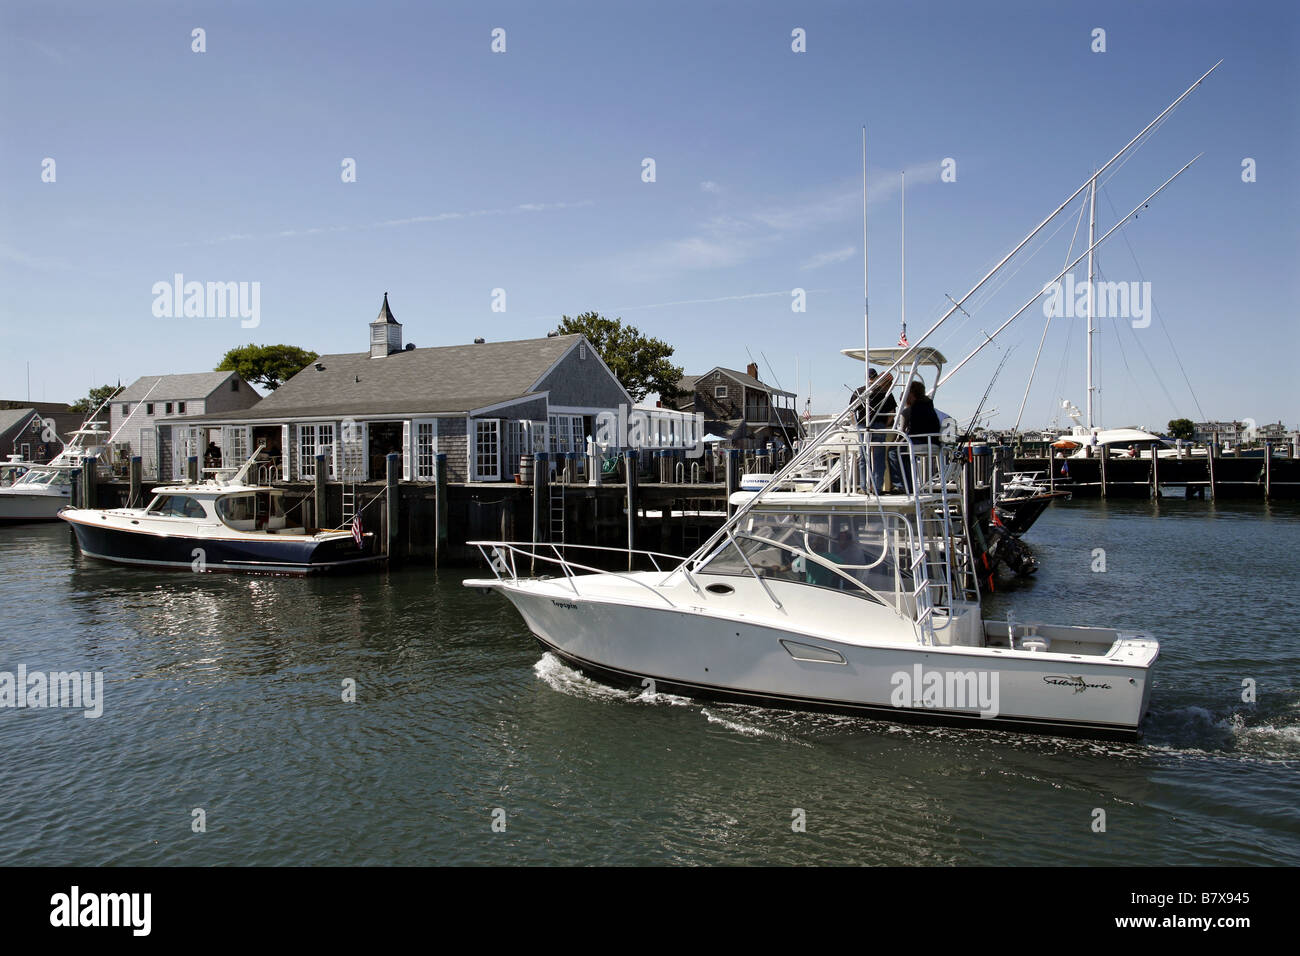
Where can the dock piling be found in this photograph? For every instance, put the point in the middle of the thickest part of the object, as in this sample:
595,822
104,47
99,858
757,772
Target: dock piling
630,459
440,507
136,497
88,481
322,512
392,472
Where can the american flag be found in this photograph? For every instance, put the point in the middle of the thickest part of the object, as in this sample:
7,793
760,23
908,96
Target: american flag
902,338
356,529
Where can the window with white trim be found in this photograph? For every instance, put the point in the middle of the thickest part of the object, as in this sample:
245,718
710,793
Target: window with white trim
315,440
719,391
426,449
487,449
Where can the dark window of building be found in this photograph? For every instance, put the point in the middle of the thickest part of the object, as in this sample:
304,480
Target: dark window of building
234,384
719,391
180,408
148,408
169,408
126,409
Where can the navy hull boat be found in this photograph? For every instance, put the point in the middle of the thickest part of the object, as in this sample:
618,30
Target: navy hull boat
217,525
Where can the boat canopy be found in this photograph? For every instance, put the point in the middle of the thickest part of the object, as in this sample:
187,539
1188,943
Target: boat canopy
888,356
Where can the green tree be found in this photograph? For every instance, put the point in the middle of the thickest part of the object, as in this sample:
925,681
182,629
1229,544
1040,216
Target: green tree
98,396
639,362
1183,428
267,365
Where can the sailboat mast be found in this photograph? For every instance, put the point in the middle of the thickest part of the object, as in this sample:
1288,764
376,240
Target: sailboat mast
1092,282
902,256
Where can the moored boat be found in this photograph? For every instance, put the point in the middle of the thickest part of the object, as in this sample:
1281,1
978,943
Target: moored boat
217,525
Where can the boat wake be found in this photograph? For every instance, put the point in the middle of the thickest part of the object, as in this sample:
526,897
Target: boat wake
746,721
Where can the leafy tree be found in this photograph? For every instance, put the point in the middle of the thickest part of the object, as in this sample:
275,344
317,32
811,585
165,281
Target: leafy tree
267,365
98,396
639,362
1183,428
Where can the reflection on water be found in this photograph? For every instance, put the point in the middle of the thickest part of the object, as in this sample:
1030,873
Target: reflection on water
227,693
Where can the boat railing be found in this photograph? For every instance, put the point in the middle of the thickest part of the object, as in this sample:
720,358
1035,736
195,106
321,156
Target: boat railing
503,557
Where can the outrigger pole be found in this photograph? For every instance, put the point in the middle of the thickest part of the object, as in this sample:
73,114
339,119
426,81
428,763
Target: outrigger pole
1085,255
798,460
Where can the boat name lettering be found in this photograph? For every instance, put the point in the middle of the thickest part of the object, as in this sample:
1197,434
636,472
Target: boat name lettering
565,604
1078,683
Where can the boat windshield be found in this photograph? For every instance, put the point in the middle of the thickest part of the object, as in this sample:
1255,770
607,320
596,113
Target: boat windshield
176,506
41,476
855,553
250,509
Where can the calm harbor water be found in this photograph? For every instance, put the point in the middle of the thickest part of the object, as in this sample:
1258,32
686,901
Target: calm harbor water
225,693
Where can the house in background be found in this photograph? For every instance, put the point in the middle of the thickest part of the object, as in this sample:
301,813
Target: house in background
739,407
141,415
24,429
483,405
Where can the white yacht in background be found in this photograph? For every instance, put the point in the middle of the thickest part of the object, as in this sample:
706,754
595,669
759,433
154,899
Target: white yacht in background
44,489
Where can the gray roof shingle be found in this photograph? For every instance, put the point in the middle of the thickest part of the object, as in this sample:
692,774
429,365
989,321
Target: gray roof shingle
171,387
450,378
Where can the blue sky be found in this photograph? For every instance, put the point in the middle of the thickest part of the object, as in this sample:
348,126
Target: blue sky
522,171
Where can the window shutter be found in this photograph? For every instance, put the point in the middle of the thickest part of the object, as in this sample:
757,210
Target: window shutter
286,453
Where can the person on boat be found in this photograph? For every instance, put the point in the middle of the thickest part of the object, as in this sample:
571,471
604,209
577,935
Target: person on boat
919,419
213,456
882,408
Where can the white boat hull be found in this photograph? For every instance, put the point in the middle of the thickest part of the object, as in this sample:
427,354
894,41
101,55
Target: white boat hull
701,653
21,506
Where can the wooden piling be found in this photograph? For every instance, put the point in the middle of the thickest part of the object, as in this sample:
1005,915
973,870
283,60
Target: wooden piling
392,472
1155,473
192,469
1212,452
136,497
1104,456
88,481
440,507
630,461
1268,470
541,497
322,506
733,476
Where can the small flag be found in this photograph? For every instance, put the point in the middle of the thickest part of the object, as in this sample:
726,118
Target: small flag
1065,469
356,529
902,338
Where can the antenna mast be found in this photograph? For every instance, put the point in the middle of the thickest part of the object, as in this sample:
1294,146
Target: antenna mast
902,256
1092,283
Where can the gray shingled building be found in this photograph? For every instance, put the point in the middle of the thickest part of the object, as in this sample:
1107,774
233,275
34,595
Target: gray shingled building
483,405
142,415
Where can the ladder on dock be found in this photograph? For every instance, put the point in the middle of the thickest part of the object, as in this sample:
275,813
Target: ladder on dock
353,455
557,511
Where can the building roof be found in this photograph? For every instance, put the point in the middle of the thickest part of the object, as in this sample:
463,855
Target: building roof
744,378
449,378
12,417
172,387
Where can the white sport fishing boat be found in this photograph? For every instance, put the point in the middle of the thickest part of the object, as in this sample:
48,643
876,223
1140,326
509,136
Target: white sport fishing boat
39,493
220,524
838,600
